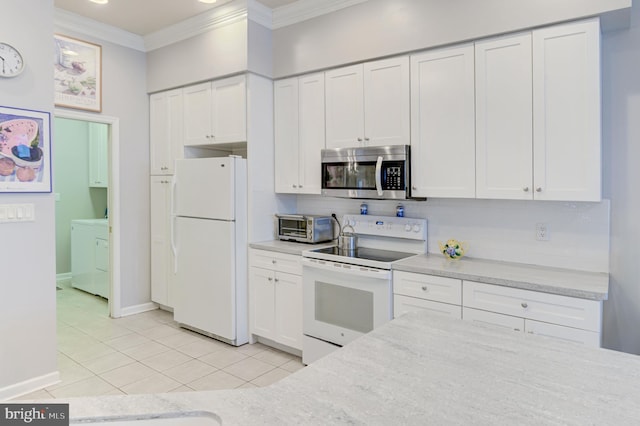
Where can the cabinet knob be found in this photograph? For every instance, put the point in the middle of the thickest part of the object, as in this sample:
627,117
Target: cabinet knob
424,288
359,139
415,188
524,305
270,279
273,261
276,280
295,186
525,189
299,186
539,189
366,139
516,329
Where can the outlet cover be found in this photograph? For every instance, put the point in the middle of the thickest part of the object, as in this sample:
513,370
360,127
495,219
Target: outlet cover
542,232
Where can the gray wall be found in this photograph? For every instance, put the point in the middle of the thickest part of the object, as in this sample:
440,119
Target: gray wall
621,136
27,257
379,28
125,97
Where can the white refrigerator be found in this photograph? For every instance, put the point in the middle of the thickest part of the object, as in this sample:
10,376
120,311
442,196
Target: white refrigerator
209,241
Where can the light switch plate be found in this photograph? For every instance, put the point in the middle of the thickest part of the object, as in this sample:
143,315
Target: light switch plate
11,213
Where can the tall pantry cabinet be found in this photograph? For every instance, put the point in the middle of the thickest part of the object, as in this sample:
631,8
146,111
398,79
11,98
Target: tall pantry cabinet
166,129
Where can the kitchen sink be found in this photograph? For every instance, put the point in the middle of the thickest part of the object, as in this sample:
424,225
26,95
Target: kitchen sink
200,418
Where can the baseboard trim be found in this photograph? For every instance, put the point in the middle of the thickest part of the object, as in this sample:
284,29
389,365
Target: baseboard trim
28,386
63,277
138,309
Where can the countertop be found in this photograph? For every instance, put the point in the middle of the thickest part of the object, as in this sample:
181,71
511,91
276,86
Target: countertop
422,369
288,247
102,222
566,282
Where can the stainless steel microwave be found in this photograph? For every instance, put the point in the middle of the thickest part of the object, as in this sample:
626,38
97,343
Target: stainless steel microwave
376,172
304,228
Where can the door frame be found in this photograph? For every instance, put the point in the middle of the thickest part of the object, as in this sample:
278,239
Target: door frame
113,194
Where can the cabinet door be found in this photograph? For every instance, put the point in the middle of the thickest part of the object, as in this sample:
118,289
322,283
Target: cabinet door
311,133
229,109
588,338
403,304
288,312
197,110
443,123
98,155
165,132
566,102
162,261
344,107
262,301
504,160
286,121
386,102
493,319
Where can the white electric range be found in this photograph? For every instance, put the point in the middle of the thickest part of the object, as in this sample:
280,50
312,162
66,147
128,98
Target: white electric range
347,293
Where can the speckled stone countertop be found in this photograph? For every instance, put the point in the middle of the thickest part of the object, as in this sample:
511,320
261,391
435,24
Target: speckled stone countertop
422,369
288,247
566,282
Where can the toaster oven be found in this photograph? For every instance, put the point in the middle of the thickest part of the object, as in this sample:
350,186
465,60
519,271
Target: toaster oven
304,228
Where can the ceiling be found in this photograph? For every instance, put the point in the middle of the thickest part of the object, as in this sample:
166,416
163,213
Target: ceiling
143,17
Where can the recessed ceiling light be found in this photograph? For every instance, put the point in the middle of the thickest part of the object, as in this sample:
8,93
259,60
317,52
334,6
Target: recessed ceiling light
207,1
100,1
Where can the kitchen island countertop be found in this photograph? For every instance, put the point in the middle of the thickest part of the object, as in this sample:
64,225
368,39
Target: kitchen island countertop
422,369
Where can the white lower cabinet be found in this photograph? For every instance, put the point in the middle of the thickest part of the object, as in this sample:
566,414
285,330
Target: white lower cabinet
275,297
162,258
552,315
412,292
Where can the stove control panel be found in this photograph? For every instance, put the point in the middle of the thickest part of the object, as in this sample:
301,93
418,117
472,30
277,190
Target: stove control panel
388,226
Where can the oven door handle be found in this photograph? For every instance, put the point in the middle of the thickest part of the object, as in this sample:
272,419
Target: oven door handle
379,176
344,268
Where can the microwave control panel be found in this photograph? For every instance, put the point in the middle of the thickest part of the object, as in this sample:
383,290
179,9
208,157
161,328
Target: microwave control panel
393,176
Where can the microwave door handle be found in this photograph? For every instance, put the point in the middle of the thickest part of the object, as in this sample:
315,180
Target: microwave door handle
379,176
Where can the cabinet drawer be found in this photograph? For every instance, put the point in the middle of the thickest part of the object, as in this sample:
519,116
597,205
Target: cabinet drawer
551,308
275,261
588,338
429,287
492,319
403,304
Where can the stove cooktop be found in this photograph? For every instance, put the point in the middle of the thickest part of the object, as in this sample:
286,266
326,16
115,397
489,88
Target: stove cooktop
364,256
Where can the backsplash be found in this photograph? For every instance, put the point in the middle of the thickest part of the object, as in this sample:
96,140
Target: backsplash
499,229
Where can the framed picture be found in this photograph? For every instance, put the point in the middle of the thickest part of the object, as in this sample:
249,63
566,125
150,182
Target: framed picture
25,150
77,74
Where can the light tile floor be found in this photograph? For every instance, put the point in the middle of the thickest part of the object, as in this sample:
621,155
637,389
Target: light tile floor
149,353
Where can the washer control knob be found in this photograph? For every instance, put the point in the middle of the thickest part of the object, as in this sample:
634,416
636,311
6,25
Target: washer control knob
417,228
407,227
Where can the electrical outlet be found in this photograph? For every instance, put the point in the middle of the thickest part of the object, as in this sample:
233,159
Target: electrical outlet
542,232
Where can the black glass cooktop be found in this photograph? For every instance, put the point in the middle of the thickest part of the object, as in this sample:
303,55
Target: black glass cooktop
366,253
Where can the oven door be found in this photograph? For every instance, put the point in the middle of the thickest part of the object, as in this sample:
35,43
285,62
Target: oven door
343,302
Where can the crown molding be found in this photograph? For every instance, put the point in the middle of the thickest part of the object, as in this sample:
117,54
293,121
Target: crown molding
227,14
79,24
303,10
260,14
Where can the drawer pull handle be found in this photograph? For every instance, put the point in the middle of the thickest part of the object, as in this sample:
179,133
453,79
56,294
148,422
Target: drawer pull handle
524,305
424,288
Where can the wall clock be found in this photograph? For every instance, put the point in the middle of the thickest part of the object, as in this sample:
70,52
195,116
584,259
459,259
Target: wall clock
11,62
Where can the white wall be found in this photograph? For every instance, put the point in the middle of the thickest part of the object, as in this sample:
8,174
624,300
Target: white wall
27,256
125,97
499,229
621,134
379,28
219,52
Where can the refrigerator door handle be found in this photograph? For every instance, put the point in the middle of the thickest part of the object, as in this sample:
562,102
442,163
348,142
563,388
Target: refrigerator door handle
174,249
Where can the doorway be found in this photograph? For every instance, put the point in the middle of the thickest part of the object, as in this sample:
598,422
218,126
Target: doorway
96,194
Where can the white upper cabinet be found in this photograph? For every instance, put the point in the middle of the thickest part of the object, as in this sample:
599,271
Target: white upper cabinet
216,112
299,133
504,160
98,155
165,131
442,123
566,108
368,104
